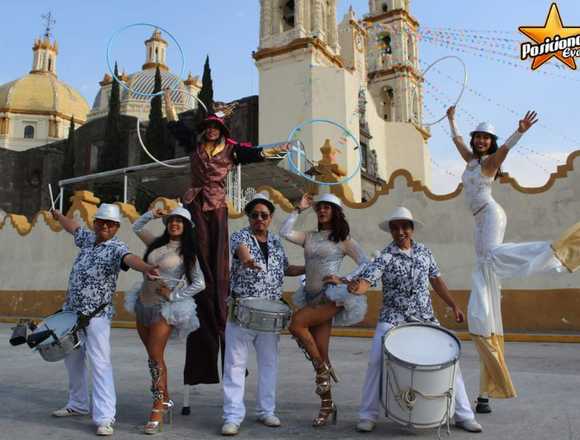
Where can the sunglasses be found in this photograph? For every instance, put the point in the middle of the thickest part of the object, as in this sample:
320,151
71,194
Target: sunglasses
259,215
108,223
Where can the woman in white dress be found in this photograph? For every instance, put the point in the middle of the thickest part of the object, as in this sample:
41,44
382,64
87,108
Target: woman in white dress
167,303
496,260
324,297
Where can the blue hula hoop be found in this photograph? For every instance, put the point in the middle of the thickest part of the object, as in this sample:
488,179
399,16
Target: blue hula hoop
345,130
112,71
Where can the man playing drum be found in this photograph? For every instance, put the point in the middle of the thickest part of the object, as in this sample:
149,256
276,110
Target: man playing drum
259,264
92,283
407,267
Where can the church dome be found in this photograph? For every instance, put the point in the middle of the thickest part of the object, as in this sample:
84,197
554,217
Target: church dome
42,92
144,81
132,101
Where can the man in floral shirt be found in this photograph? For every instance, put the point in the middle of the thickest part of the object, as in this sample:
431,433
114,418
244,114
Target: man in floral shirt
259,264
406,268
92,283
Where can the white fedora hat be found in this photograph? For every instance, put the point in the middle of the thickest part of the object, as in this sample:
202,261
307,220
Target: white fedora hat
259,197
400,213
329,198
484,127
107,211
181,212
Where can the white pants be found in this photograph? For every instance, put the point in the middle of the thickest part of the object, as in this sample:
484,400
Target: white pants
369,408
97,350
238,341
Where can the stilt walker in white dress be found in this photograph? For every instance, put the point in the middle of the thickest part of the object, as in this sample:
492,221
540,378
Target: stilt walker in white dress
496,260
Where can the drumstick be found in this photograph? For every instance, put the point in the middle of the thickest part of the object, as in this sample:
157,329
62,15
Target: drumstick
166,278
52,202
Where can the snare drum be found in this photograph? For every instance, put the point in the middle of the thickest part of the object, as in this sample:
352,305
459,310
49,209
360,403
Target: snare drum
65,337
418,374
260,314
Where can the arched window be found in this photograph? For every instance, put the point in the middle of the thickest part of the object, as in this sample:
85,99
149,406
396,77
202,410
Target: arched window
415,106
385,6
288,14
386,43
29,132
410,49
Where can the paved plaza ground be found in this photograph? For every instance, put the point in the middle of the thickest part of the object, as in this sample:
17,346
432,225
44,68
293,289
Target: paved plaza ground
547,377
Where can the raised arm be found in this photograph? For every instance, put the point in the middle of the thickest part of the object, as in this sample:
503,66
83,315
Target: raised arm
70,225
464,151
139,225
170,112
287,230
492,164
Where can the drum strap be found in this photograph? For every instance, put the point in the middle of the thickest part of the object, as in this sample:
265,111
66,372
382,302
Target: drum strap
84,320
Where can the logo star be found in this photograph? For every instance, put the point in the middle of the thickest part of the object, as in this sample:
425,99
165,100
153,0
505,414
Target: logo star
551,28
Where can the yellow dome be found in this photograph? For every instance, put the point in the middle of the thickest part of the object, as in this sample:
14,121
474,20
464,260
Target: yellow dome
43,92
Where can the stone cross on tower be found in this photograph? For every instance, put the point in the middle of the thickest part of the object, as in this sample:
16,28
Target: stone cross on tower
48,18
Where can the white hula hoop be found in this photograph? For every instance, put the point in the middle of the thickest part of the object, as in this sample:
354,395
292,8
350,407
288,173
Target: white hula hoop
153,158
428,124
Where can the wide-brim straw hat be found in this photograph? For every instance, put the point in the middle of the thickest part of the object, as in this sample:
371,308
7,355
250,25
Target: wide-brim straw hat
485,127
259,198
215,119
108,211
329,198
181,212
400,213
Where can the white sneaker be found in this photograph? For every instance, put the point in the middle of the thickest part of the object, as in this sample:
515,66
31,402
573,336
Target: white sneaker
230,429
469,425
272,421
67,412
105,429
365,425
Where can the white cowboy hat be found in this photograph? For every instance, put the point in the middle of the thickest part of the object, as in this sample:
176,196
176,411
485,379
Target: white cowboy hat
181,212
484,127
400,213
329,198
108,211
259,197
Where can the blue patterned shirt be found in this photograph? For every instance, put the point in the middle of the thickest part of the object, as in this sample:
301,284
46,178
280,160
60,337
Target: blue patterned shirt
405,282
93,277
265,283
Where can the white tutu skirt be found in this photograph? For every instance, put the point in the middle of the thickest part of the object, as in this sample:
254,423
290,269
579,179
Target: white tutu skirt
354,307
182,314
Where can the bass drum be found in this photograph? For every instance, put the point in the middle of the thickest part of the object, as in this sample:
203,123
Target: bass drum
418,374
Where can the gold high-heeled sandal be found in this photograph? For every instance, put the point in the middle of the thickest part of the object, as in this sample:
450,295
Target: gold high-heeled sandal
168,412
154,426
322,379
328,411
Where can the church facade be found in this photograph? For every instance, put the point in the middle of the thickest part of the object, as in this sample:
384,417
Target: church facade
360,73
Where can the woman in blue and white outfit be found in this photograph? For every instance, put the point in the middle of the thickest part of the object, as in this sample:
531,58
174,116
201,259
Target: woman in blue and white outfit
324,299
166,303
406,268
259,264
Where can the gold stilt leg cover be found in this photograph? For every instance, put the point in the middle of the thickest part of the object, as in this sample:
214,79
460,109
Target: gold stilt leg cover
495,380
567,248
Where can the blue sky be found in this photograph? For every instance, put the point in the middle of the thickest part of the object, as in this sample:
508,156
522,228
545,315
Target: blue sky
228,31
